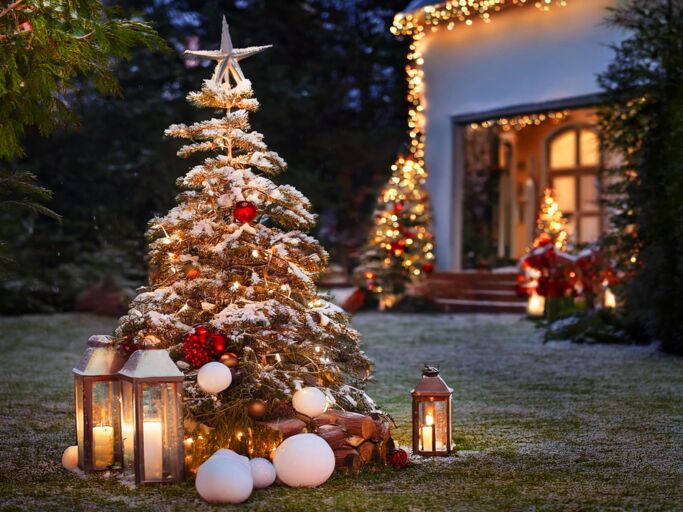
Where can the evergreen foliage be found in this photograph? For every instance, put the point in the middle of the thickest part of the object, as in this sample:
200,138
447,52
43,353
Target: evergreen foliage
335,73
643,122
44,48
400,247
252,281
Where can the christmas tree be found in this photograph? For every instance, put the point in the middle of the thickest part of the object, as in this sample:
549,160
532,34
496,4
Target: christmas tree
233,280
551,225
401,246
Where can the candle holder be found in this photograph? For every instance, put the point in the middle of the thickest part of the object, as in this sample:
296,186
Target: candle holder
97,398
152,417
432,415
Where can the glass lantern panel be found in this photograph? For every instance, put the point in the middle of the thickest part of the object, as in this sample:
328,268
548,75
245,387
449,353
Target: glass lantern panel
78,399
105,418
128,424
433,426
161,435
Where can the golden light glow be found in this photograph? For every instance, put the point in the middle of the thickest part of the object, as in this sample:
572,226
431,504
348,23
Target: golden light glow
430,19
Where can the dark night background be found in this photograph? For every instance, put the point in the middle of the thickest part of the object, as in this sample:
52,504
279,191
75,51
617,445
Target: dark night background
332,93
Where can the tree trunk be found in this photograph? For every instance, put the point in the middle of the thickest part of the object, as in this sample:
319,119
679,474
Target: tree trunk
288,427
334,435
347,458
354,423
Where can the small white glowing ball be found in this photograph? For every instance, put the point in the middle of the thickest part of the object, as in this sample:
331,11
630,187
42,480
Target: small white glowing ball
224,452
262,472
70,458
304,460
224,480
214,377
310,401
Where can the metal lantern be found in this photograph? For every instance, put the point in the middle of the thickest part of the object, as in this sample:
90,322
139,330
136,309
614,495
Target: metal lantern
431,415
535,307
152,417
97,395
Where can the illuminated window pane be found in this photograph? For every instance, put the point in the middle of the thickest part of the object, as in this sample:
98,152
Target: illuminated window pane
590,229
563,151
589,148
589,193
565,193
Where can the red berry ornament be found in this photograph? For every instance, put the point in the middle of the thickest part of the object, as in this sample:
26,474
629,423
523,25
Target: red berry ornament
399,458
217,343
195,351
245,211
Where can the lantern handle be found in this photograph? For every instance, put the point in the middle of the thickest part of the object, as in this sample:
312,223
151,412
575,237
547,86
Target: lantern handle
430,371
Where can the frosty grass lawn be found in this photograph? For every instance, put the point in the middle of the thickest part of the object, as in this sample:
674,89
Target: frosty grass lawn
538,427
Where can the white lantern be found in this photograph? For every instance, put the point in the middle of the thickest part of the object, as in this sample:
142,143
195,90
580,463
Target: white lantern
304,460
609,300
310,401
536,306
152,412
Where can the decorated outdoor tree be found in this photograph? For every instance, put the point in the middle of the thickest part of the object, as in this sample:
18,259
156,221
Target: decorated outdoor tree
232,293
551,225
400,249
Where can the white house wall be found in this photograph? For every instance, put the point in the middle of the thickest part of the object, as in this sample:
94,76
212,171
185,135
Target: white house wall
522,56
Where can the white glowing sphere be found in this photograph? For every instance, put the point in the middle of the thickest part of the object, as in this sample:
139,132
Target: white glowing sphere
310,401
214,377
224,452
70,458
262,472
224,480
304,460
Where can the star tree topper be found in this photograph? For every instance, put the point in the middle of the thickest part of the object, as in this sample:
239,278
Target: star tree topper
227,57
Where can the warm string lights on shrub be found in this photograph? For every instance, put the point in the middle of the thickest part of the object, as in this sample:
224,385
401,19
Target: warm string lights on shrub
401,246
430,19
551,225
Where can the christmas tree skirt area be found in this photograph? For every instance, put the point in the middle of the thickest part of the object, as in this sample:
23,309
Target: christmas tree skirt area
553,426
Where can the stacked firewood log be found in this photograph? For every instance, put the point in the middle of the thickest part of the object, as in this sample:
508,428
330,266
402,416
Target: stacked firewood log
355,439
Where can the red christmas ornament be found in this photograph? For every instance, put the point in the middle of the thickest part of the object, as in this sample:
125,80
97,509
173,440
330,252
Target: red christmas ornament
398,247
245,211
202,333
217,343
24,26
195,351
428,267
399,458
398,207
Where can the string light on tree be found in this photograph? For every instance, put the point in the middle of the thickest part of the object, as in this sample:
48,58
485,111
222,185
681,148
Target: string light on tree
247,287
551,225
401,245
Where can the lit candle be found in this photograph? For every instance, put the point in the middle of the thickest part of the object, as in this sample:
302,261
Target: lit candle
610,300
153,450
103,446
428,433
536,305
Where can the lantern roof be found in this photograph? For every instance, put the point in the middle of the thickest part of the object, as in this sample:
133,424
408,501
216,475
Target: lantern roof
151,364
431,384
100,358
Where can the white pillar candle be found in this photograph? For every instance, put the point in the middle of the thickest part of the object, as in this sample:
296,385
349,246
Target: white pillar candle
103,445
610,301
428,433
153,450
